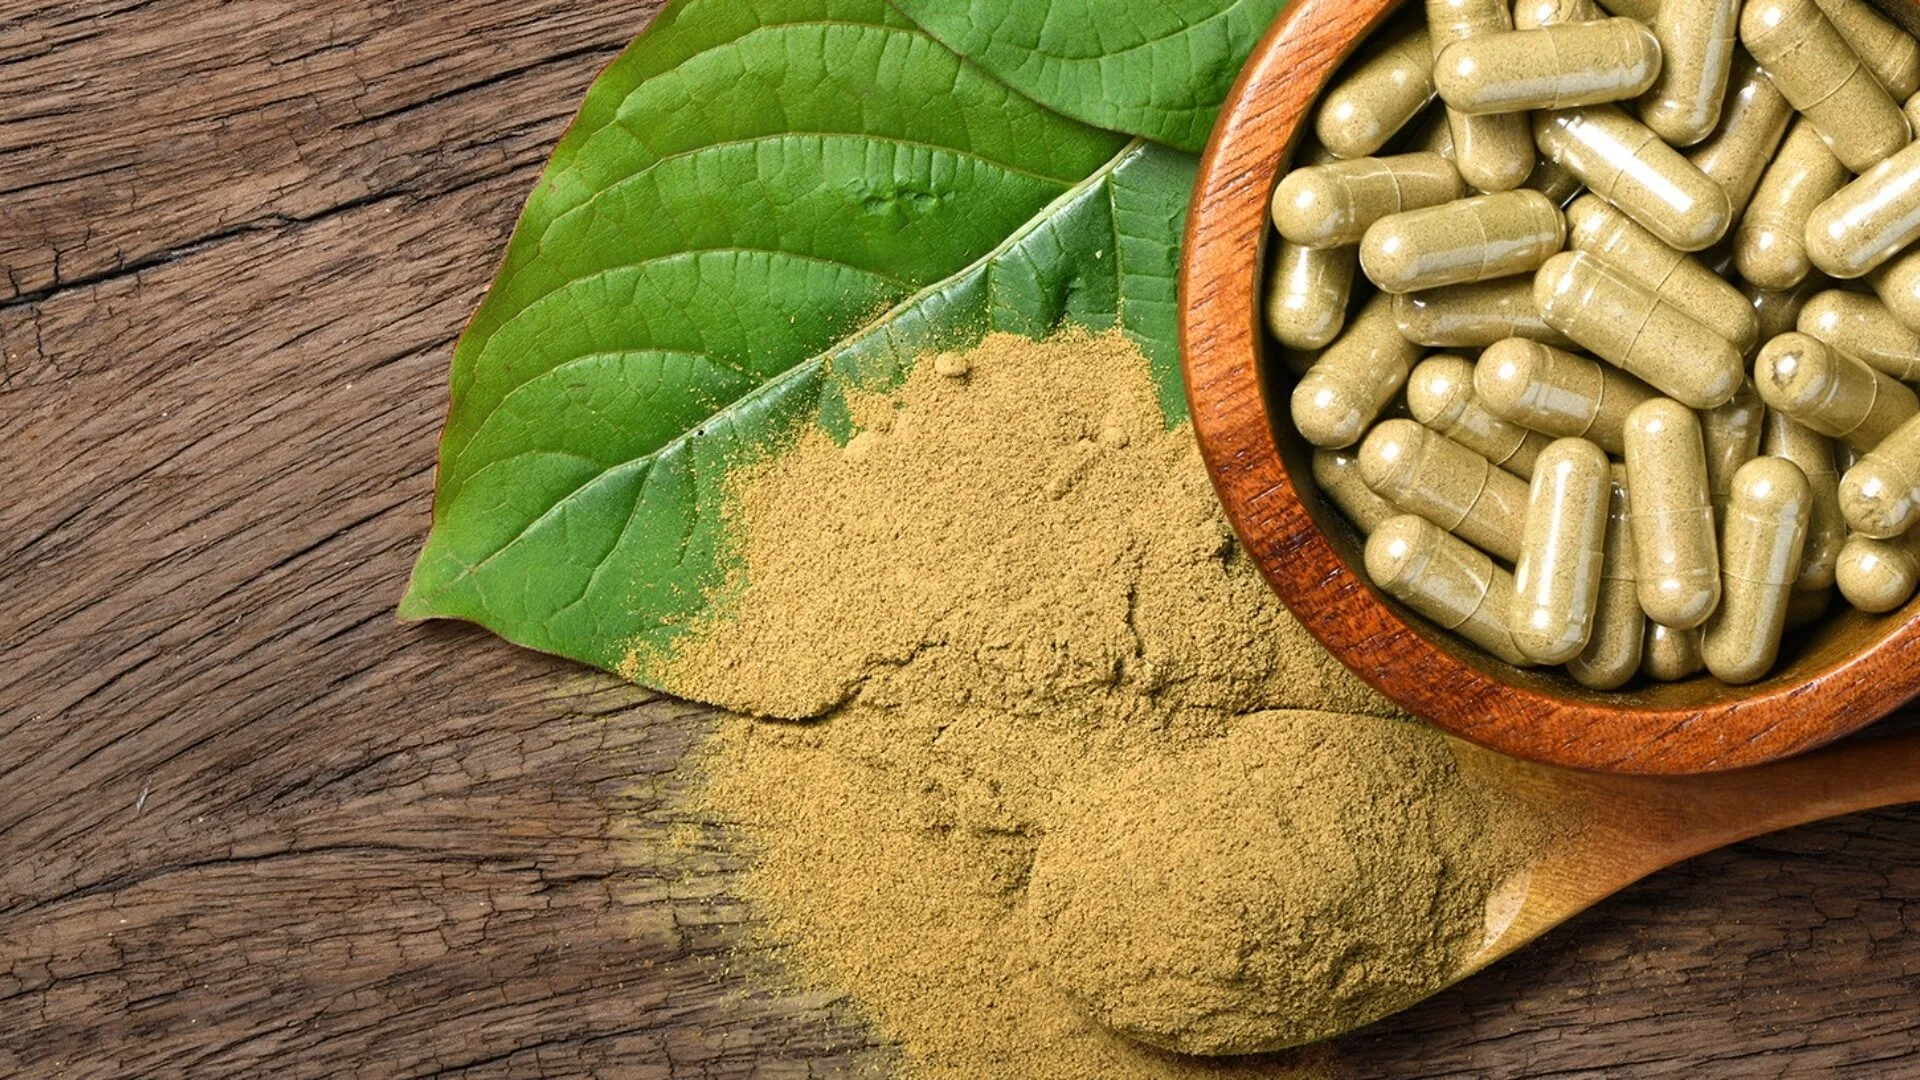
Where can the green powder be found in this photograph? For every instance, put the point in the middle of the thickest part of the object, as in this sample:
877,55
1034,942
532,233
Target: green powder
1012,610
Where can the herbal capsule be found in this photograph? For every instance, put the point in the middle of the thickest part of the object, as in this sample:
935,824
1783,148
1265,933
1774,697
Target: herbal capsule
1880,495
1556,582
1476,239
1493,153
1912,109
1434,135
1558,393
1779,311
1864,329
1554,67
1676,560
1807,606
1552,179
1384,92
1671,655
1625,163
1338,474
1308,293
1440,396
1731,433
1354,379
1813,453
1534,14
1446,580
1425,473
1760,560
1332,205
1473,316
1751,126
1770,247
1888,51
1596,226
1878,576
1696,38
1870,220
1628,325
1612,655
1830,392
1824,79
1897,284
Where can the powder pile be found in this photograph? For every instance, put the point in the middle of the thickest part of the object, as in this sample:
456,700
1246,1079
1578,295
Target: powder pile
1008,603
1229,899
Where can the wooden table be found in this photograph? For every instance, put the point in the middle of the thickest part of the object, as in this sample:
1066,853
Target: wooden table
249,822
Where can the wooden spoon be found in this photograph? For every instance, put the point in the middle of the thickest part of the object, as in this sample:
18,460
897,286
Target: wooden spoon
1630,826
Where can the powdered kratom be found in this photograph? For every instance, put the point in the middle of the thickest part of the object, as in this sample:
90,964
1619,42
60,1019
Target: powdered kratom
1009,609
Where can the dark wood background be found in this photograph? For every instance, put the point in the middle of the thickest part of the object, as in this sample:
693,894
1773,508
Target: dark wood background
248,822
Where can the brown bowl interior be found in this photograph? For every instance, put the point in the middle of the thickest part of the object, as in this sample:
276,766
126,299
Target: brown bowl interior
1834,678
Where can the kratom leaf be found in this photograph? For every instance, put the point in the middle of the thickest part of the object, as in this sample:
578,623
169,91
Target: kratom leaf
1154,68
761,204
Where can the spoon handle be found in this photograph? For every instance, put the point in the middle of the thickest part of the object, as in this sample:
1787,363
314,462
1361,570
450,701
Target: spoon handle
1695,814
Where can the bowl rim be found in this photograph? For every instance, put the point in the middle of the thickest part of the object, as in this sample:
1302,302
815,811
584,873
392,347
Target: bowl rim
1222,345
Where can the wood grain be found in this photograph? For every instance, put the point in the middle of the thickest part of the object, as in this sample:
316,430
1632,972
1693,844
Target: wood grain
1832,679
249,824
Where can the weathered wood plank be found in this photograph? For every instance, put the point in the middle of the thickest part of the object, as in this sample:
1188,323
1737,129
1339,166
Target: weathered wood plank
248,822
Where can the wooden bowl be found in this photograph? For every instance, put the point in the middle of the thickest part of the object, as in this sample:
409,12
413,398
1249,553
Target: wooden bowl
1833,679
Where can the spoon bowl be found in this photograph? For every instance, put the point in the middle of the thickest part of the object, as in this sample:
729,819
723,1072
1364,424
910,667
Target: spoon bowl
1833,678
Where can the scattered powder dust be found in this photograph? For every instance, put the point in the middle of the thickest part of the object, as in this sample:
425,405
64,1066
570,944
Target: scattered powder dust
1010,608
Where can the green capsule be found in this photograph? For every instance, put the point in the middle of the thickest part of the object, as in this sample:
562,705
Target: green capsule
1770,246
1760,549
1678,561
1423,472
1613,652
1813,454
1779,311
1534,14
1897,284
1555,67
1697,40
1558,393
1461,242
1880,495
1888,51
1556,582
1555,181
1628,325
1830,392
1825,80
1864,329
1474,316
1671,655
1333,205
1625,163
1494,153
1446,580
1878,576
1337,472
1870,220
1751,126
1595,225
1732,435
1440,395
1386,90
1343,392
1307,294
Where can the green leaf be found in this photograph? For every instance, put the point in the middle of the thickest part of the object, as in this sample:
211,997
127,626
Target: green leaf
761,204
1158,69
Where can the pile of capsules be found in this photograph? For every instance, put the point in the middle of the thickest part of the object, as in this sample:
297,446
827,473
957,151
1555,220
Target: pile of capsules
1631,232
